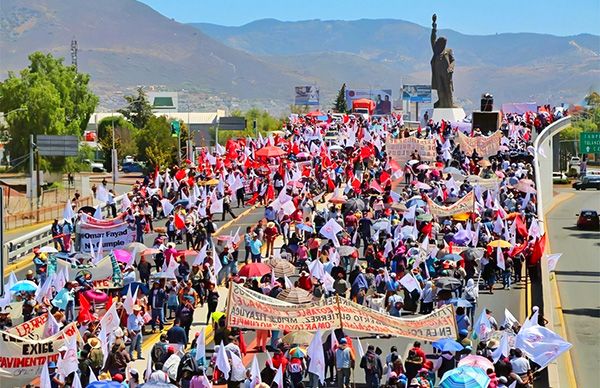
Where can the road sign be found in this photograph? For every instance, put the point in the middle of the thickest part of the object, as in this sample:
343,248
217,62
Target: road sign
589,142
52,145
232,123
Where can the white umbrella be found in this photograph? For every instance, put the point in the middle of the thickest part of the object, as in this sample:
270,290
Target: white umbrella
48,249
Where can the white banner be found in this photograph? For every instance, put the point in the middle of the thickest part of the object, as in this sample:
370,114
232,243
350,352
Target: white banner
114,234
104,274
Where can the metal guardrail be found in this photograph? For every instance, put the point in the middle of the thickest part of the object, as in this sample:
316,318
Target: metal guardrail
22,246
543,182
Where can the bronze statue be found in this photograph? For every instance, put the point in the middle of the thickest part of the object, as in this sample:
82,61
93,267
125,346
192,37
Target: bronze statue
442,68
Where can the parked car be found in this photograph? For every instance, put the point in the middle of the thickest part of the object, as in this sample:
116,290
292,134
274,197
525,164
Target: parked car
588,182
588,219
95,166
132,167
575,162
558,176
128,159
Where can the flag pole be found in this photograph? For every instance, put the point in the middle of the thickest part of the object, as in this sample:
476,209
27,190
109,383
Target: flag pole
337,299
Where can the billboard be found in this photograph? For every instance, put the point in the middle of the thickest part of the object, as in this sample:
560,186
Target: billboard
232,123
306,95
382,98
416,93
53,145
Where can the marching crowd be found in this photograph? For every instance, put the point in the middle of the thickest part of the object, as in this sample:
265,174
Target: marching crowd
341,217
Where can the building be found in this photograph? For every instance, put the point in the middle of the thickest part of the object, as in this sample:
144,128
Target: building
164,102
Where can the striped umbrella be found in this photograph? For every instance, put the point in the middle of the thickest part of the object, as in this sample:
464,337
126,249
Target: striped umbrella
465,377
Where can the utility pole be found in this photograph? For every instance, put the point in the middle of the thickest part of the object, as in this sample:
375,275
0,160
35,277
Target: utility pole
31,170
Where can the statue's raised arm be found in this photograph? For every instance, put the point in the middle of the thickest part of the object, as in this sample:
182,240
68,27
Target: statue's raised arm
433,29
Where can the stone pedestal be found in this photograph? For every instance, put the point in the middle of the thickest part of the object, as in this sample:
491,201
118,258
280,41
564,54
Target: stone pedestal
448,114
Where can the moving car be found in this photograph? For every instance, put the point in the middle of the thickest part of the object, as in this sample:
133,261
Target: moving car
588,219
588,182
95,166
132,167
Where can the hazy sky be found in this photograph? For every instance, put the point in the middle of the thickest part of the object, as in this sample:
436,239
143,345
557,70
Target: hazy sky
566,17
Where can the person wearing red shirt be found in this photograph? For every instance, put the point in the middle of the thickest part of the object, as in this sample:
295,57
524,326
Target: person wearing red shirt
417,349
304,281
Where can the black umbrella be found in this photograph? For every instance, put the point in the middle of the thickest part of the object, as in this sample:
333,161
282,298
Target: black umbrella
89,210
354,205
336,270
448,283
135,286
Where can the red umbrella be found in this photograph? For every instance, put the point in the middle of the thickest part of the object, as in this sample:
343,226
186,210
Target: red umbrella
254,270
269,152
186,253
315,113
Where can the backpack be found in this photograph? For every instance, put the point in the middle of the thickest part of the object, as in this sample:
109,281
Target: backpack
189,364
158,351
370,363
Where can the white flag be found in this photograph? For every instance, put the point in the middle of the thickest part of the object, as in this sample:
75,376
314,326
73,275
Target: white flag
255,373
216,206
129,301
98,212
51,327
330,230
553,260
360,349
167,206
533,321
482,327
68,213
201,346
110,320
278,379
45,377
509,319
503,349
541,344
93,377
102,193
409,282
500,259
317,357
69,363
222,362
199,260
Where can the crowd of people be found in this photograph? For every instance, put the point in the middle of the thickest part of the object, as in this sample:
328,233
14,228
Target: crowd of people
304,180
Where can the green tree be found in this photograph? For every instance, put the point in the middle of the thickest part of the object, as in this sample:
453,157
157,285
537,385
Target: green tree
593,99
340,104
138,110
46,98
125,138
155,144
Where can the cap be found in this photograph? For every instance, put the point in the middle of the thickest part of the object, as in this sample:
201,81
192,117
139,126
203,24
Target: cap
51,364
343,341
464,332
118,378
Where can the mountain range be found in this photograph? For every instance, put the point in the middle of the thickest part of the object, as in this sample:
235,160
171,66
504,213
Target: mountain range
124,43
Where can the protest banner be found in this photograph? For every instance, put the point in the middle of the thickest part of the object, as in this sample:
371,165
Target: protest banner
401,149
22,359
247,309
114,234
490,183
464,205
485,145
104,274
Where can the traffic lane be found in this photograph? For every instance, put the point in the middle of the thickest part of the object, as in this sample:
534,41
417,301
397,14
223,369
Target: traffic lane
577,274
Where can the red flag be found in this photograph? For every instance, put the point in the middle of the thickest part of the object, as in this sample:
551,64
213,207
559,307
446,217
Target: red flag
242,344
270,192
180,174
179,222
521,227
252,200
84,309
330,184
384,177
108,303
356,184
538,250
375,186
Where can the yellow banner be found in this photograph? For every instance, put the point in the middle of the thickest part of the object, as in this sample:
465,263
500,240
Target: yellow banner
463,205
250,310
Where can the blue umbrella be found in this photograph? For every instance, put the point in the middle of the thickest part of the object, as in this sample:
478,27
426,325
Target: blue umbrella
452,257
465,377
104,384
182,202
135,286
415,201
460,302
24,286
447,345
306,228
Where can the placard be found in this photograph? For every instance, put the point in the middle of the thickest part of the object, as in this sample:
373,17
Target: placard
464,205
485,145
401,149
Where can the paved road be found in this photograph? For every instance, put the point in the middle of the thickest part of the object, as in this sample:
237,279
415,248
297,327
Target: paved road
578,276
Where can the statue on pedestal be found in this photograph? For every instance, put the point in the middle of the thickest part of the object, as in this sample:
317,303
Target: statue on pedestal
442,68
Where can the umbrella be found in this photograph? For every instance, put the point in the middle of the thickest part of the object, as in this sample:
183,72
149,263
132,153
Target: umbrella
400,207
465,377
135,287
89,210
150,251
422,186
269,152
304,227
337,200
295,295
381,224
303,155
472,254
186,253
499,174
484,163
460,216
476,362
282,267
297,184
423,167
424,217
452,171
448,283
137,246
104,384
460,302
447,345
182,202
500,243
122,255
346,250
48,249
24,286
525,188
354,205
210,182
300,337
162,275
415,201
452,257
296,352
254,270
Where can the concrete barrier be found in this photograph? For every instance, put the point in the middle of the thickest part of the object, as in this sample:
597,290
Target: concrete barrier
543,146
